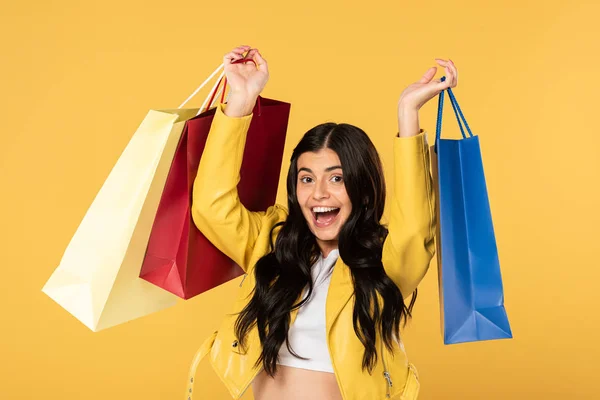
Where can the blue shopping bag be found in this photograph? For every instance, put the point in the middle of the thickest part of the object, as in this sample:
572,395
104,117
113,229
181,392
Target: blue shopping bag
471,293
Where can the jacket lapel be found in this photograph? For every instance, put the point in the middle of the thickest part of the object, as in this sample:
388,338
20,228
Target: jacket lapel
341,289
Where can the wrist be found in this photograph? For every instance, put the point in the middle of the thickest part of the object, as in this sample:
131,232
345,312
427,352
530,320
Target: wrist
408,121
240,105
406,108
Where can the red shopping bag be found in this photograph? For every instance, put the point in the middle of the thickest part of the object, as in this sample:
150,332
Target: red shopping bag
179,258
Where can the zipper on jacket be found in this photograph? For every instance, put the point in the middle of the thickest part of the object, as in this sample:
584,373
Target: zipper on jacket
251,380
386,374
389,383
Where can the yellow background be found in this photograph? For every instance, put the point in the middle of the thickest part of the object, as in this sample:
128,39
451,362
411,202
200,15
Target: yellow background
78,77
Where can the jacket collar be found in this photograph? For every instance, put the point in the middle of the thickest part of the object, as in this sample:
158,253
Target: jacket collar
340,291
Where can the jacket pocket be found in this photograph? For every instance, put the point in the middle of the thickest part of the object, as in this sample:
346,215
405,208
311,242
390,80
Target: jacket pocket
411,389
412,386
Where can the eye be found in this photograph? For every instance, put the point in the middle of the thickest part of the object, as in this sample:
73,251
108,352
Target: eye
306,179
337,178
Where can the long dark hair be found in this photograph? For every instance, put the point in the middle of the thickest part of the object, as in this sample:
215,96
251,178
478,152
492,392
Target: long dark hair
282,274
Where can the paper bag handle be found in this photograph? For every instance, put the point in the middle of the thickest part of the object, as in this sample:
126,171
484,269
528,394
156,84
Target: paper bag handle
202,85
457,112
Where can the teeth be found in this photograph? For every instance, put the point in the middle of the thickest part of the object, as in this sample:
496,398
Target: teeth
323,209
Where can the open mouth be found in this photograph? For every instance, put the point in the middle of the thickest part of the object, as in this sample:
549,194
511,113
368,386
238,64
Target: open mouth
324,216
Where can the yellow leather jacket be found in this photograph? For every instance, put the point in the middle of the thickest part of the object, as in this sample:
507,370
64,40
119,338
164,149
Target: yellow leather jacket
244,237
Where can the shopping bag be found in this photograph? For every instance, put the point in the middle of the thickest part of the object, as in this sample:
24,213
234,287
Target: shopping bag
471,290
179,258
98,277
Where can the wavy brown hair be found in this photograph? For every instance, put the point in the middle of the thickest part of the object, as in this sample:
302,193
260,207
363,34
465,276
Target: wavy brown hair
283,273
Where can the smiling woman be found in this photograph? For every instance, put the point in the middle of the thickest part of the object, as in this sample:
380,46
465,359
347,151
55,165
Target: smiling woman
338,166
333,167
319,314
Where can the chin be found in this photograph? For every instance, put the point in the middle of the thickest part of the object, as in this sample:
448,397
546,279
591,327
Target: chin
327,237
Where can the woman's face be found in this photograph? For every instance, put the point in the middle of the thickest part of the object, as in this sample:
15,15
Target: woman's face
321,194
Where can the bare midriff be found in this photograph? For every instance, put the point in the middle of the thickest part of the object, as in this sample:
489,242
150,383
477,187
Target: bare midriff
292,383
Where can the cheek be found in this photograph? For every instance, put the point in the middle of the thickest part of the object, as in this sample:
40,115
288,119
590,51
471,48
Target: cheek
345,200
301,196
348,211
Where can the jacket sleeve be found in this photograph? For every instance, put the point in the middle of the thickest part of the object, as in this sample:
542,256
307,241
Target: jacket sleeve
409,246
216,207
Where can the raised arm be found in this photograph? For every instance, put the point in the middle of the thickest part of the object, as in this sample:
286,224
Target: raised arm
410,245
216,207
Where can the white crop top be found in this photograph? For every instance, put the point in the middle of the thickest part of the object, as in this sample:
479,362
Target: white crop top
307,336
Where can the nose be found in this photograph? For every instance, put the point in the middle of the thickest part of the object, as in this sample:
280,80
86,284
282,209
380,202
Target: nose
320,192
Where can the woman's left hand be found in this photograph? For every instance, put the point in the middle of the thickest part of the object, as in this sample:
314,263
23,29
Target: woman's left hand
419,93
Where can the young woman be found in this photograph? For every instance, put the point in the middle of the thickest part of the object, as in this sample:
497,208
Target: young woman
319,311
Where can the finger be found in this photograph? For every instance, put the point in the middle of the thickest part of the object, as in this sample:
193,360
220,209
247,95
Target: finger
439,86
235,54
444,64
450,76
251,53
242,49
261,62
231,57
426,78
455,73
451,70
249,58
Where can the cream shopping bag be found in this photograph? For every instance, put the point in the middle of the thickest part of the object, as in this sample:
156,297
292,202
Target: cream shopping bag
98,277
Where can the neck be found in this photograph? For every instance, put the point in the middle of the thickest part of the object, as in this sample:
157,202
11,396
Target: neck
327,246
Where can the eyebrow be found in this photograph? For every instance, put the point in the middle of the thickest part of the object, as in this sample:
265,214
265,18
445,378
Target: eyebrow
328,169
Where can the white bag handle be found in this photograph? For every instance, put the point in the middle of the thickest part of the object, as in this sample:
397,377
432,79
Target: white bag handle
200,110
209,93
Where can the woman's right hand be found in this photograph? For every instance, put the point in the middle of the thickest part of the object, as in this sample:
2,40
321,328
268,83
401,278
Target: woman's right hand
246,80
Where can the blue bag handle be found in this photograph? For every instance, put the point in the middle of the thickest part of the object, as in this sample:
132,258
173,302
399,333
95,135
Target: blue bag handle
457,112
